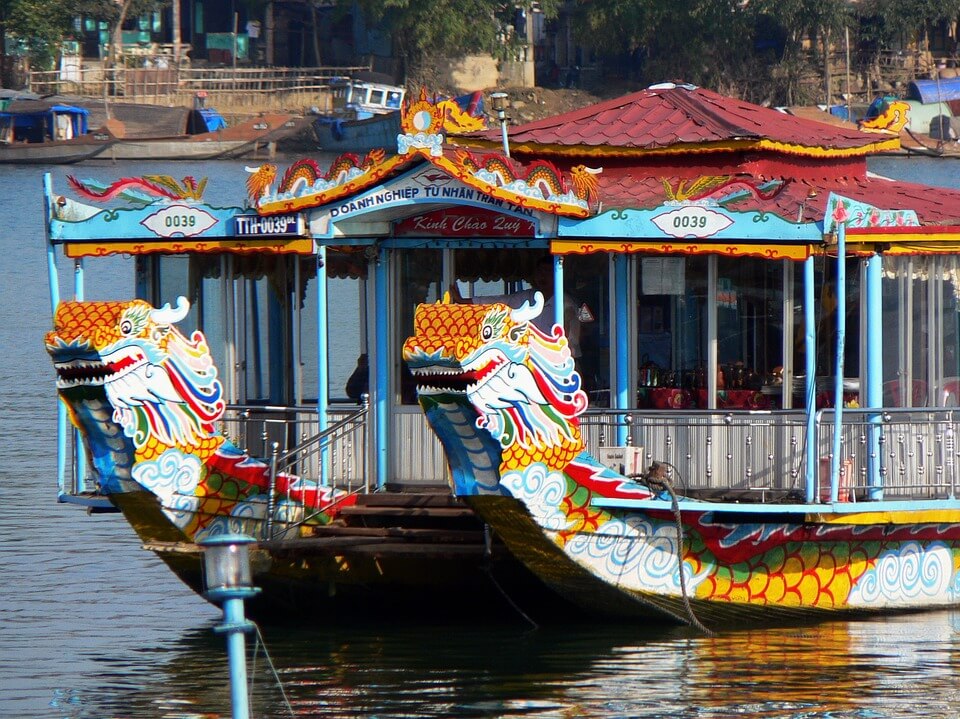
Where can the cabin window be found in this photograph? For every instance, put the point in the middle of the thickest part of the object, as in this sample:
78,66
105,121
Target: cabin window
346,323
671,330
921,331
586,280
687,304
749,326
419,279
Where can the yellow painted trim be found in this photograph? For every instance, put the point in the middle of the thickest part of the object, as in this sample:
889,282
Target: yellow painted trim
770,252
885,145
280,246
370,178
908,248
468,178
919,516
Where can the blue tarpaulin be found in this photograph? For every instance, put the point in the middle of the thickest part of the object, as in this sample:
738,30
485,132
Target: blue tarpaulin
932,91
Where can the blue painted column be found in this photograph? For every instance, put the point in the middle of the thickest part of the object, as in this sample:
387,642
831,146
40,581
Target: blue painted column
838,361
323,362
53,279
621,318
234,626
810,369
874,388
558,295
381,403
80,451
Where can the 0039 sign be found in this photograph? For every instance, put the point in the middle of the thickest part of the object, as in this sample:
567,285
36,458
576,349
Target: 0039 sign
179,221
692,221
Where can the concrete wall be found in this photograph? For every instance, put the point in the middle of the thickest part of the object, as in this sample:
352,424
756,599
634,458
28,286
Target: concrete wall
472,73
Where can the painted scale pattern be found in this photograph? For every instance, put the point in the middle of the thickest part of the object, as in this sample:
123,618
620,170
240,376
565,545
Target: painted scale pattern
804,565
163,391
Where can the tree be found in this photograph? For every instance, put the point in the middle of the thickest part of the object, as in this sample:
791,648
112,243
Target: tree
425,28
698,41
37,25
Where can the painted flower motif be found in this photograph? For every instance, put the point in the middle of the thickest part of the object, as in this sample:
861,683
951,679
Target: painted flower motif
840,213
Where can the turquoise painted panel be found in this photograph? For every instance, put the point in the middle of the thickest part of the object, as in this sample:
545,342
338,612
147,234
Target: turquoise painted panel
689,221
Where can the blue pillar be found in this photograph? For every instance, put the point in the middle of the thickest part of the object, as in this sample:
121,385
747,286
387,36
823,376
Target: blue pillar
874,388
558,295
53,279
381,403
234,625
810,369
838,361
621,388
323,360
80,451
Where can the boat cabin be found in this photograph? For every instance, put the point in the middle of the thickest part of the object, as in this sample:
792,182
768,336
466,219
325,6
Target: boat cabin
744,301
362,97
37,121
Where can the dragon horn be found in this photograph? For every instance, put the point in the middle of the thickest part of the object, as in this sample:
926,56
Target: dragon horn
167,316
525,313
251,170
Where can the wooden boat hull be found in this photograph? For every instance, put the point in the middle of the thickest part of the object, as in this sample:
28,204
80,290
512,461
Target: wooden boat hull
379,131
759,570
61,152
426,566
249,138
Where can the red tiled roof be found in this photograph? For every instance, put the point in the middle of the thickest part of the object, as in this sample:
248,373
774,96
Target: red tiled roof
681,118
793,200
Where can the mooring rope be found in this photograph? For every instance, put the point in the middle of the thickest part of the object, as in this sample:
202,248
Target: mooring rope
260,643
488,569
657,480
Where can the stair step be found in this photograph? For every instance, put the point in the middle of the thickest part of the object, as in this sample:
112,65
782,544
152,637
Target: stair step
408,499
407,511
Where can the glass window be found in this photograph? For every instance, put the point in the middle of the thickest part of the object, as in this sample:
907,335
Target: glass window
419,279
749,321
586,280
671,330
906,313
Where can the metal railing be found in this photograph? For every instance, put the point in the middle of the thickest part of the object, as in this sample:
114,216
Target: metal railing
762,455
336,457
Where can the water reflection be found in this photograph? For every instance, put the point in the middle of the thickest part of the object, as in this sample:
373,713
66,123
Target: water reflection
882,668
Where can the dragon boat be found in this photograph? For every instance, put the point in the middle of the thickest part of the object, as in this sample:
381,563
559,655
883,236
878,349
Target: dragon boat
734,399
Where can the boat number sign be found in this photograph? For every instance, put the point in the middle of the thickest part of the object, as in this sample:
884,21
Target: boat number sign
692,221
179,221
268,226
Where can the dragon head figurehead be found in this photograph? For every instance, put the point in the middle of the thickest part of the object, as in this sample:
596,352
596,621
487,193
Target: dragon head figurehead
500,393
146,399
162,387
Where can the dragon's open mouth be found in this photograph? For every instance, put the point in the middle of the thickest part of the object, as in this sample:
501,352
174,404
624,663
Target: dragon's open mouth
78,372
438,380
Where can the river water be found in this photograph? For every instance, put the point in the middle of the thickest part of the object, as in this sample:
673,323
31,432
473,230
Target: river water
92,626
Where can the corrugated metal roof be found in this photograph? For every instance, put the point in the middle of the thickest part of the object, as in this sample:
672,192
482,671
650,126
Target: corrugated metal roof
681,118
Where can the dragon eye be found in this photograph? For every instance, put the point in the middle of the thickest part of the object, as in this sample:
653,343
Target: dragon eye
126,327
486,332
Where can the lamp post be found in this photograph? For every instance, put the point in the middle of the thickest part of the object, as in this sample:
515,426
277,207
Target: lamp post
227,581
499,100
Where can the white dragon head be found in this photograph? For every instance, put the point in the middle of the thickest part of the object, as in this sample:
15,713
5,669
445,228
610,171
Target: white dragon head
160,384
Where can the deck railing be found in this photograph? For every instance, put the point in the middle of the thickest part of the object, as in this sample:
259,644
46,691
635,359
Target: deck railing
261,88
762,455
750,456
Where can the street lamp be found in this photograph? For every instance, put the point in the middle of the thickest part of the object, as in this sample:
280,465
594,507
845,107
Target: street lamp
499,100
227,581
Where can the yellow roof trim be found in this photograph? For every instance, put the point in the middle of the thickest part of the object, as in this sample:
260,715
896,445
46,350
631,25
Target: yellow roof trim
280,246
769,252
885,145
